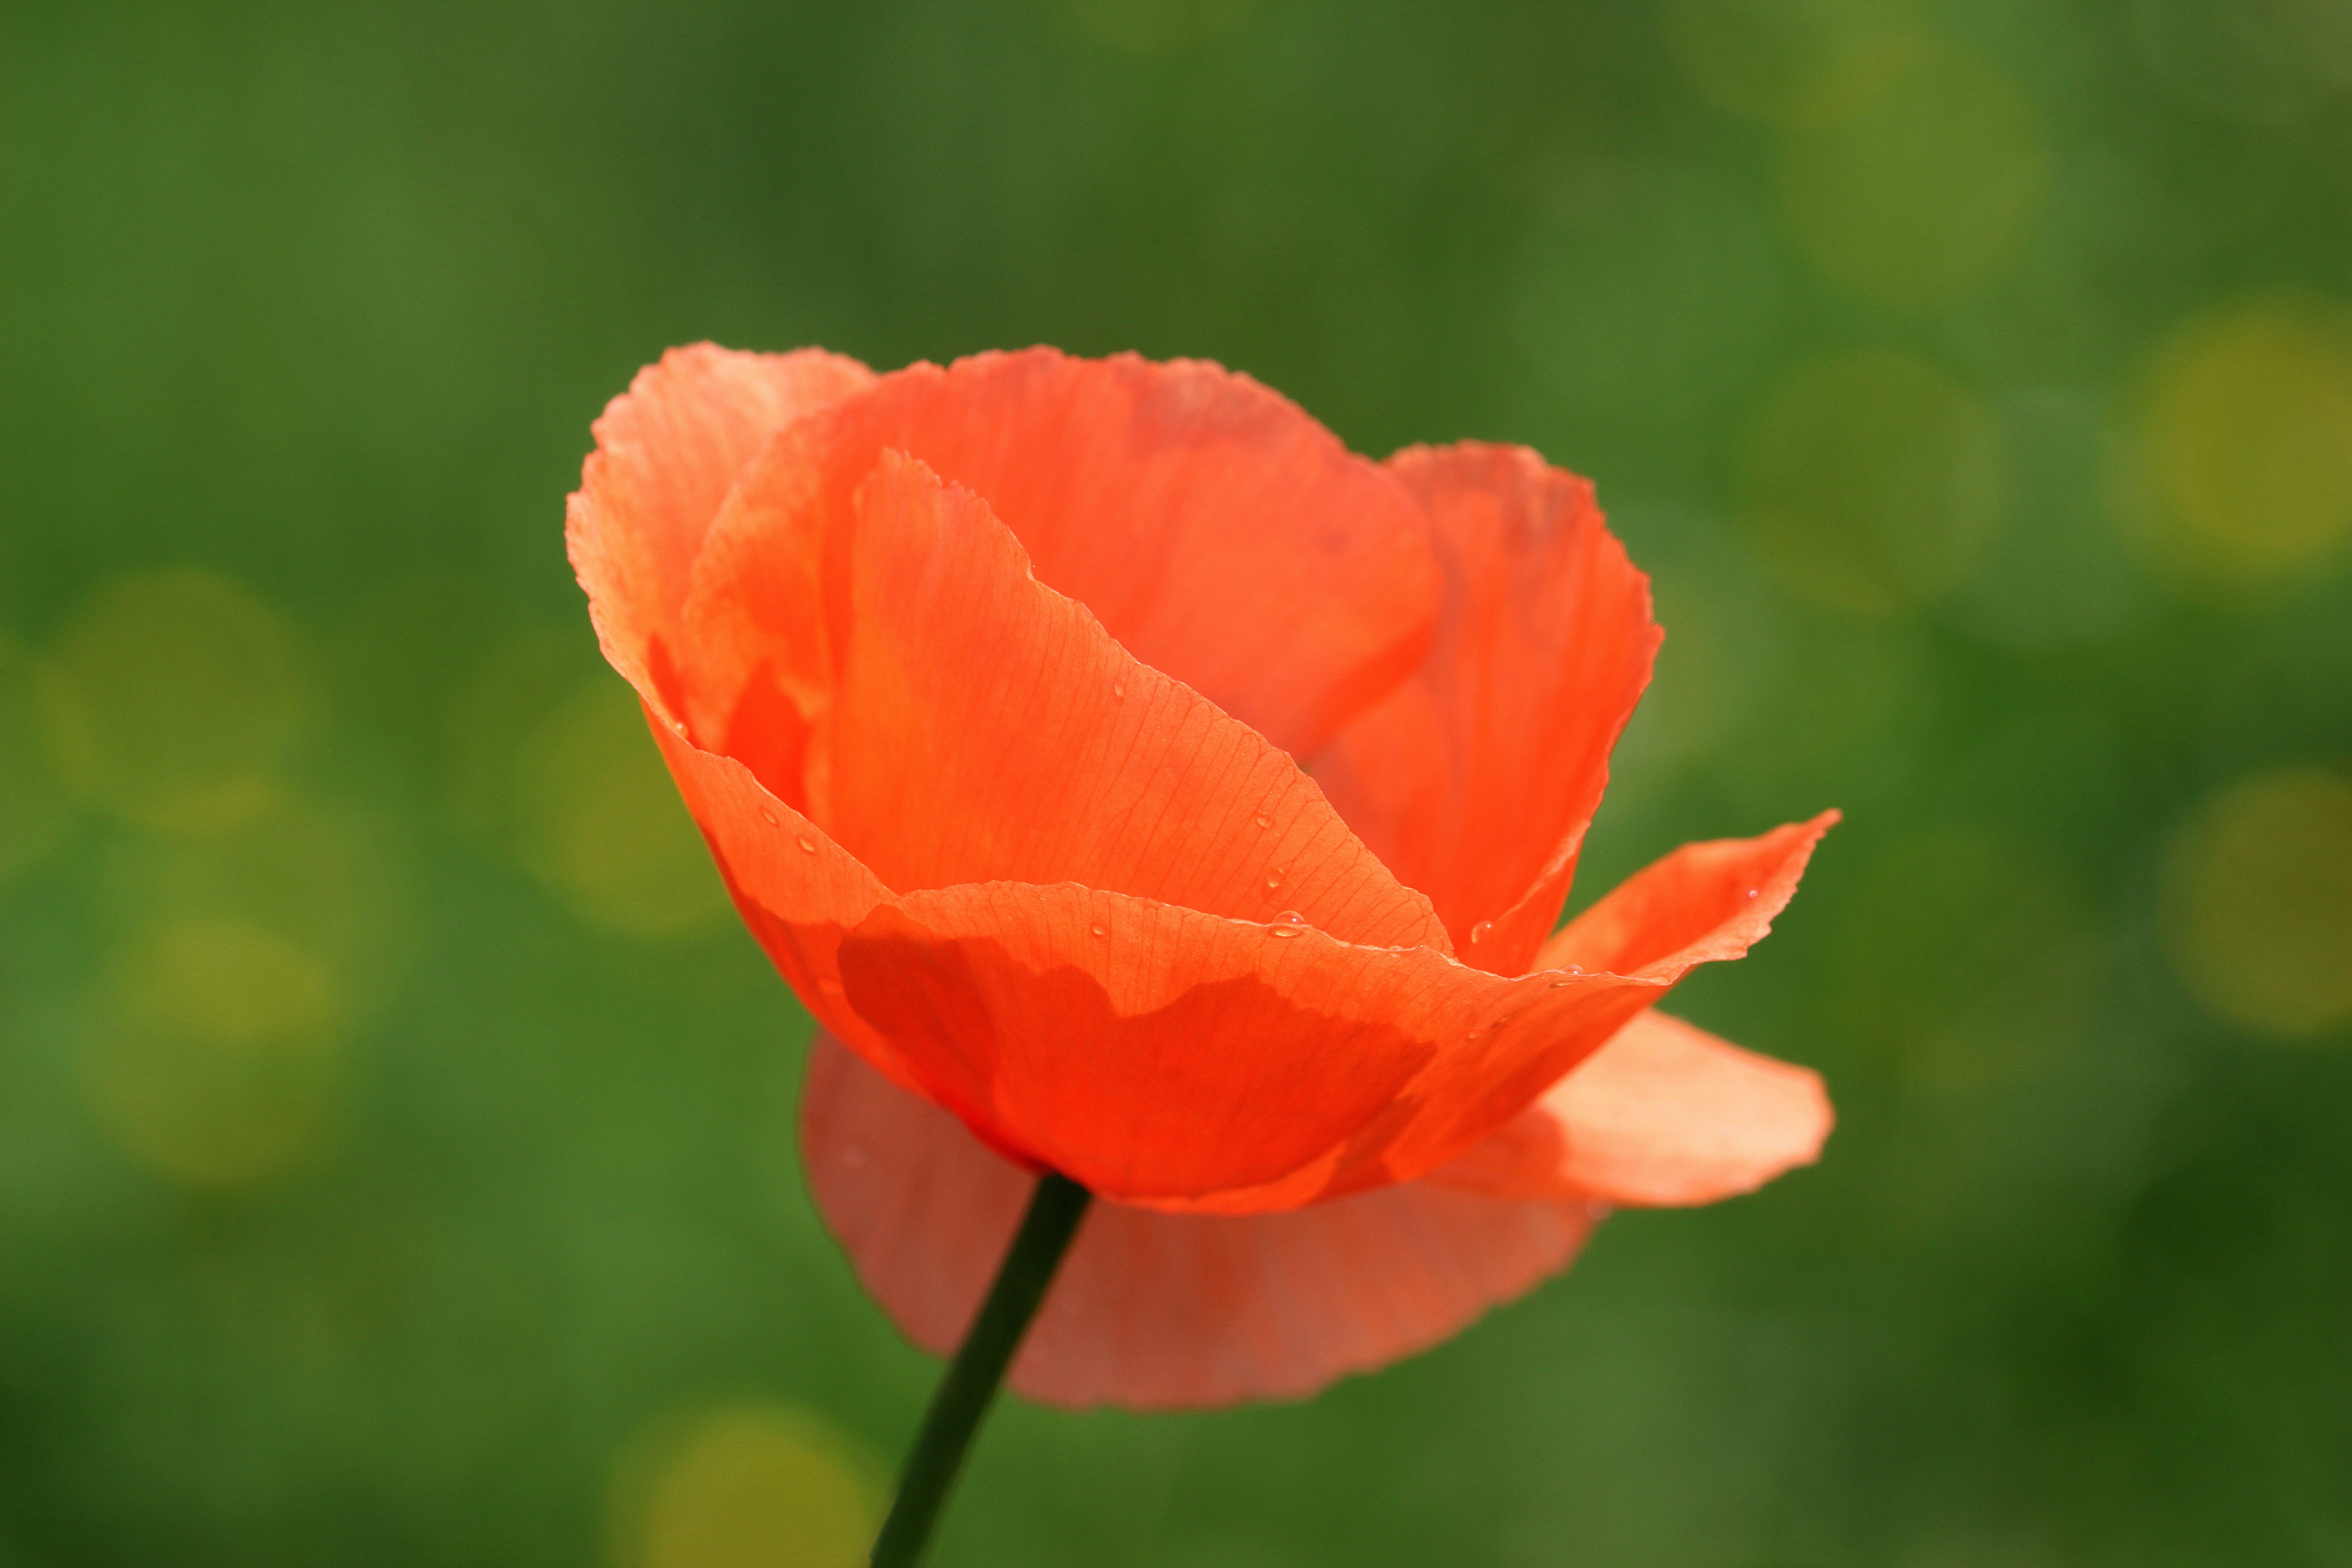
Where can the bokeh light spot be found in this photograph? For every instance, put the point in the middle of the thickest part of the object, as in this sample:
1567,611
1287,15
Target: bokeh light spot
172,699
2258,903
2264,62
1775,59
33,812
747,1486
602,824
1721,663
329,878
2055,573
1919,178
499,699
2248,440
213,1051
1872,481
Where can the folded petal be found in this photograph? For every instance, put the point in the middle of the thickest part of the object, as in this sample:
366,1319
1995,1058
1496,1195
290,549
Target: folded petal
667,452
797,890
1156,1311
981,727
1663,1115
1476,779
1182,1061
1218,533
1701,904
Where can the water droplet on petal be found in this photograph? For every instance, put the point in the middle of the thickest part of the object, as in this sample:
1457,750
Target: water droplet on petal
768,816
1099,930
1482,931
805,842
1561,985
1273,878
1289,922
1118,691
1264,820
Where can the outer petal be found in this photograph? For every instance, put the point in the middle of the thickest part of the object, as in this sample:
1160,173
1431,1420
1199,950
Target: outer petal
1702,903
1663,1115
980,727
1220,533
1158,1311
1174,1060
667,452
1476,779
797,890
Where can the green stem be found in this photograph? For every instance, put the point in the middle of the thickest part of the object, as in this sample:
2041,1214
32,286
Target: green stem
965,1393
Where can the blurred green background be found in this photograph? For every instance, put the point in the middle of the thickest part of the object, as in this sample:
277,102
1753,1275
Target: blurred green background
396,1161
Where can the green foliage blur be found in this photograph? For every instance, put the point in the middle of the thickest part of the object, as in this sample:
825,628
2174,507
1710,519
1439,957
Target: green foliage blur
396,1130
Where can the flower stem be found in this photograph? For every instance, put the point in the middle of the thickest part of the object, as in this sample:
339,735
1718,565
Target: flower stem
964,1395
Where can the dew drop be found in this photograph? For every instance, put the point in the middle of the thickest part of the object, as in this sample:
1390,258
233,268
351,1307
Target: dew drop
1118,691
805,842
1264,820
1561,985
1273,878
1751,893
1482,931
768,816
1289,922
1099,930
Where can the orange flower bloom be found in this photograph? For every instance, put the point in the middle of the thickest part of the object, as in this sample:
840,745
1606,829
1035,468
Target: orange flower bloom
985,685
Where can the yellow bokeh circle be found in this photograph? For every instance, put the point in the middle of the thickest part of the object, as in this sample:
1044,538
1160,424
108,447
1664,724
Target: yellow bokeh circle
215,1050
2247,440
170,700
2258,903
1872,481
330,878
1915,175
1777,60
755,1485
601,824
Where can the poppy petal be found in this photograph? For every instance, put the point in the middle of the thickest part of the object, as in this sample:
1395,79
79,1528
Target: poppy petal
1663,1116
1218,533
1182,1061
797,890
1704,904
982,728
1155,1310
1700,904
667,452
1476,779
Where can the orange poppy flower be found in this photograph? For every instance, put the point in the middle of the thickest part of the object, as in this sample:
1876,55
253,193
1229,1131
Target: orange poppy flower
1137,785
